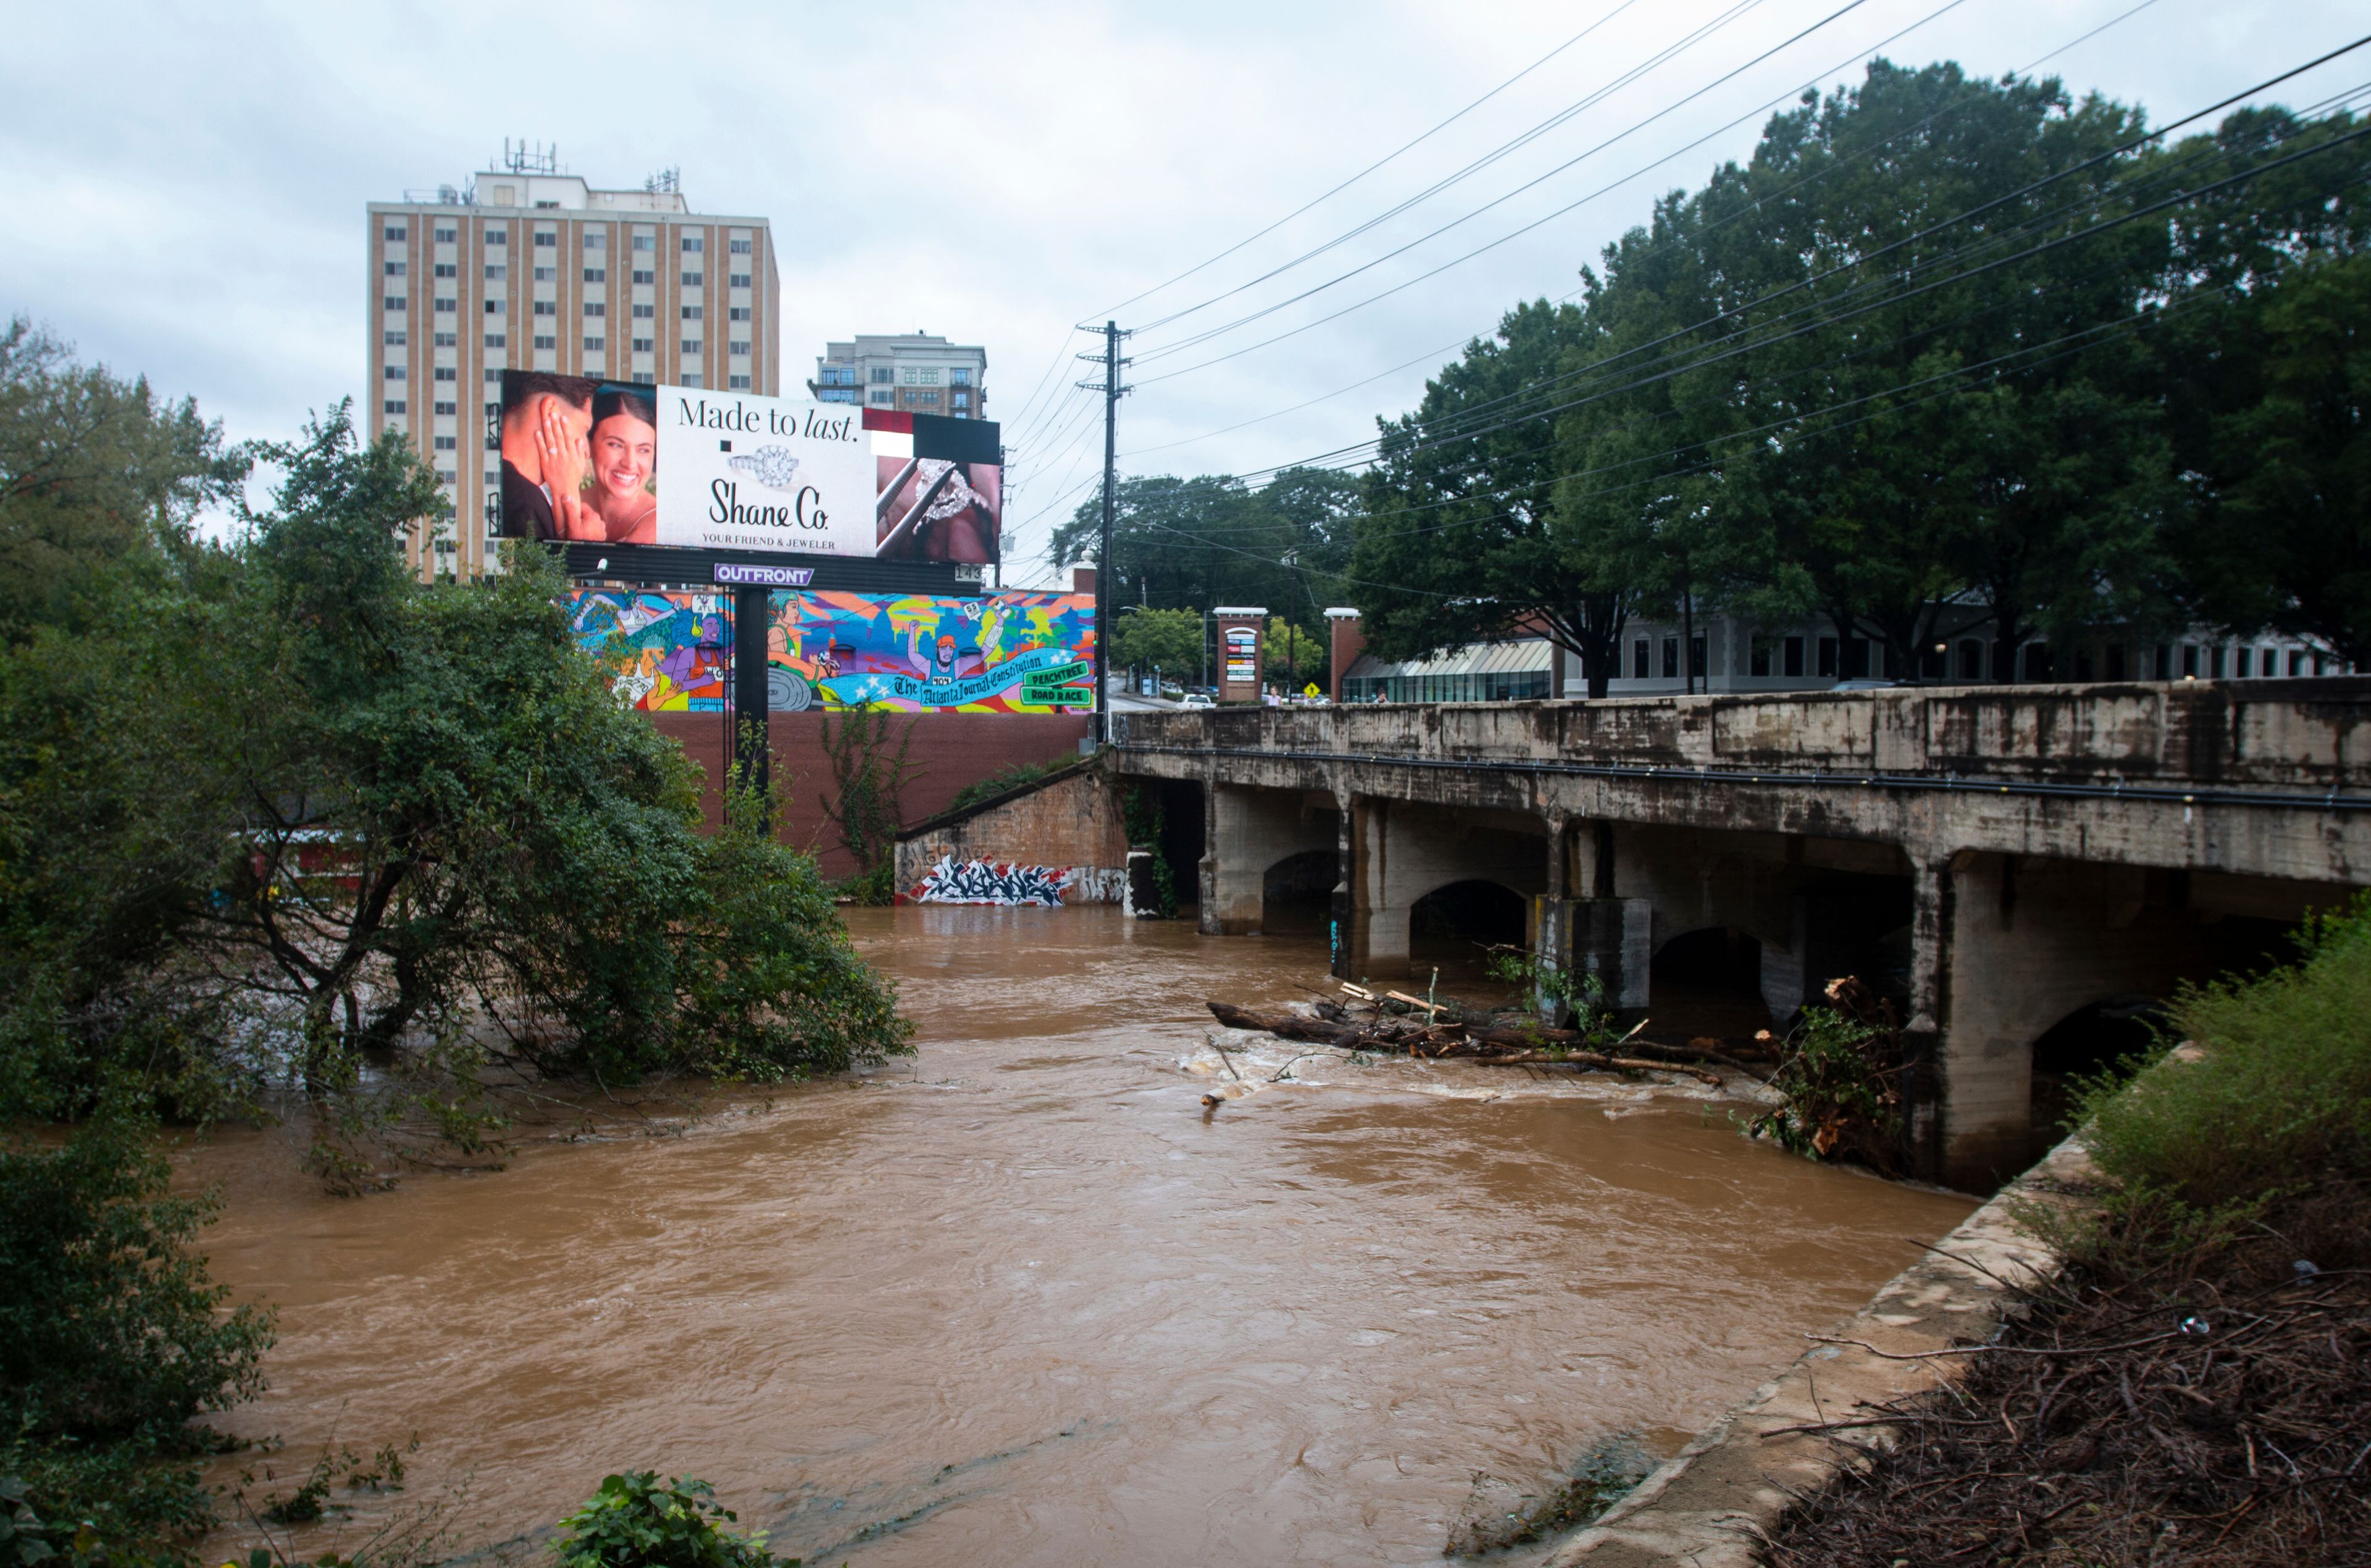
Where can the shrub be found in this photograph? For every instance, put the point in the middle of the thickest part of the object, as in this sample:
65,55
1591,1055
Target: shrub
636,1521
112,1339
2281,1100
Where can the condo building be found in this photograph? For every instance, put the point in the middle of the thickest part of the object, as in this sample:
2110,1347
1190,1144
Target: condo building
912,372
526,268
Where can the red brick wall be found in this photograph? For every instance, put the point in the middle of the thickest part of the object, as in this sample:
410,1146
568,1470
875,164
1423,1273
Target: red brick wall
949,750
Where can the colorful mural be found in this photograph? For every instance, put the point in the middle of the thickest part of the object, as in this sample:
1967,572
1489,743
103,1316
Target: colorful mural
1006,653
673,651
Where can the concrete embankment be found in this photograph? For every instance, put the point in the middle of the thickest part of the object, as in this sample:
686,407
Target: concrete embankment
1709,1504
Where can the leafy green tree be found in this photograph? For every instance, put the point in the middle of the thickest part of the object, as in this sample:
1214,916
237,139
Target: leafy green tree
2281,536
113,1341
1169,640
1290,656
1460,542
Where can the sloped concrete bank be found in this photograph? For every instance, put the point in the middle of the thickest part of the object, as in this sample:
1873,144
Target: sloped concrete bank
1708,1506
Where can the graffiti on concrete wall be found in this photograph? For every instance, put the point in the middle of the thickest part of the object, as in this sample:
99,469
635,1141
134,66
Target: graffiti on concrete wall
910,654
997,882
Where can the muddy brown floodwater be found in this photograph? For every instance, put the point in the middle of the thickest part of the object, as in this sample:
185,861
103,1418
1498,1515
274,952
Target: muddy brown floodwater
1023,1301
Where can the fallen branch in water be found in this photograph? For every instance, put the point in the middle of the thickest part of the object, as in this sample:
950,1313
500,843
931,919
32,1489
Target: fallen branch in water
1508,1044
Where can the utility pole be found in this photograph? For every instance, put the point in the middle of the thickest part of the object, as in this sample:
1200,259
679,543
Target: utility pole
1111,390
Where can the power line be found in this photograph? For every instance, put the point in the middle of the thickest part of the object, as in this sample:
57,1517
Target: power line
1205,336
1810,179
1494,92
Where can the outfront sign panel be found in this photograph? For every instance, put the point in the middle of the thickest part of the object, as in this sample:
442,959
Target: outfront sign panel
762,474
686,468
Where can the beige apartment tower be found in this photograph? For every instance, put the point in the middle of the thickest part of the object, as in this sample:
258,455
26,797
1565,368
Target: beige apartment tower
528,269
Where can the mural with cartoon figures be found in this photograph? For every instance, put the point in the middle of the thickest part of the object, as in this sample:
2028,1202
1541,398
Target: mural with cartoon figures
1014,652
673,650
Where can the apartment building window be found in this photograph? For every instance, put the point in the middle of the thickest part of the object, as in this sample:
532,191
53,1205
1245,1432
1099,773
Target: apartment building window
447,269
396,231
596,345
646,345
691,345
739,248
736,345
645,312
547,307
496,307
393,302
445,408
691,313
645,242
926,400
393,338
736,279
448,304
883,396
446,477
448,235
545,237
394,373
883,375
916,376
446,372
395,268
496,272
447,444
960,375
596,308
691,244
741,313
960,400
596,239
693,280
448,339
642,277
596,274
393,404
497,236
737,383
496,339
545,341
691,377
837,376
547,274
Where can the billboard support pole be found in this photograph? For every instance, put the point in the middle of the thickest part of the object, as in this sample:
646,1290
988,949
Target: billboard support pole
1111,390
752,709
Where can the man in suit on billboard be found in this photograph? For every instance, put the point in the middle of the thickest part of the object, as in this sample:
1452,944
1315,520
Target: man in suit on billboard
546,456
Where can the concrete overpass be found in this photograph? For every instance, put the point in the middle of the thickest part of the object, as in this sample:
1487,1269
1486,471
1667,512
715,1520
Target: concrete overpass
2028,851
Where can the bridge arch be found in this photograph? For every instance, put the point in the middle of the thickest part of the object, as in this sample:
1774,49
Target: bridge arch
1455,924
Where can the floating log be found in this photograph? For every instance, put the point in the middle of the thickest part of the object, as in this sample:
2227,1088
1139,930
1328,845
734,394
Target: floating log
1500,1045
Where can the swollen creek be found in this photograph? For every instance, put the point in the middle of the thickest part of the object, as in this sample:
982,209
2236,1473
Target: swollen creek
1025,1299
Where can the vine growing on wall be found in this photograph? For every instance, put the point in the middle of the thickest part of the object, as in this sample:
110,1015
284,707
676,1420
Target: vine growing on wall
1140,813
870,777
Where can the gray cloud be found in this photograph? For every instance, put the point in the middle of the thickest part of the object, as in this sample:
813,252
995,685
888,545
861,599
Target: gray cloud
183,186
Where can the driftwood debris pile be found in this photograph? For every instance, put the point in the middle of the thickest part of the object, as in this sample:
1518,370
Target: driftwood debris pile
1394,1024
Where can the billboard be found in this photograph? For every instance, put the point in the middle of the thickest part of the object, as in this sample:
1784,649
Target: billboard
1016,652
633,463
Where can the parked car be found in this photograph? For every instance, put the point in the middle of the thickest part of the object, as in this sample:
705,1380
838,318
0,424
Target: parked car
1195,699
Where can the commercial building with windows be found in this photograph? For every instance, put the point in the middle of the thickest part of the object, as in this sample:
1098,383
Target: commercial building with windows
914,371
530,269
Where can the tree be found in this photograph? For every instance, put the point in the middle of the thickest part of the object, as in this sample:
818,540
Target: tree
2283,534
1460,542
1169,641
1293,657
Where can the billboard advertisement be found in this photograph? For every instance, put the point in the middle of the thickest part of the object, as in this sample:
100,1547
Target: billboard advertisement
630,463
1016,652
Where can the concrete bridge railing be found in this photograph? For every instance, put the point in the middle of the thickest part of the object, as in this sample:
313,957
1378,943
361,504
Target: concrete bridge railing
2037,851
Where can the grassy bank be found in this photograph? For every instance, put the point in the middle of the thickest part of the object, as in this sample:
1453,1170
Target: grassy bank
2194,1386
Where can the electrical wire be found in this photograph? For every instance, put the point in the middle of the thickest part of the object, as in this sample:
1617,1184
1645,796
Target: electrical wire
1822,173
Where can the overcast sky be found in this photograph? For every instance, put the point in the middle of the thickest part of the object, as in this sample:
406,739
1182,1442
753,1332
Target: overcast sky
181,186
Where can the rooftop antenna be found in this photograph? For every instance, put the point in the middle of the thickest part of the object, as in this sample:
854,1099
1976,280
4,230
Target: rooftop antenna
666,182
531,157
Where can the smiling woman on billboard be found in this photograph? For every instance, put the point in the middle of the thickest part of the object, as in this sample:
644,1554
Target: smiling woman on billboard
625,466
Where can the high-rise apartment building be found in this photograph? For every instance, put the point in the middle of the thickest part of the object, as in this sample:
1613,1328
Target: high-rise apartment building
530,269
912,371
